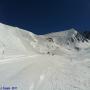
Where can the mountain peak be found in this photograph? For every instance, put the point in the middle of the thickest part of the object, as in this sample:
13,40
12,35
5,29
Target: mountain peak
72,30
70,34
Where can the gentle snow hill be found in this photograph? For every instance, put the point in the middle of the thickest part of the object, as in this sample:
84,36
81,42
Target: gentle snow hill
54,61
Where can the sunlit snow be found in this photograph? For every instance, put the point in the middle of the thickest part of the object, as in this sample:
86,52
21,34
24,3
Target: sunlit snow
54,61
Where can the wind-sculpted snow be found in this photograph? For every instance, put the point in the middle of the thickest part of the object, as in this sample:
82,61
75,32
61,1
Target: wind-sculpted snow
55,61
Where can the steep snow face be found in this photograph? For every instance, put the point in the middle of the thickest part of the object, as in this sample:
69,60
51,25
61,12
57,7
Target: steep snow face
15,41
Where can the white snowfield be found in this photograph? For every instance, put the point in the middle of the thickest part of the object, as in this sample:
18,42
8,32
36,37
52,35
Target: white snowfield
55,61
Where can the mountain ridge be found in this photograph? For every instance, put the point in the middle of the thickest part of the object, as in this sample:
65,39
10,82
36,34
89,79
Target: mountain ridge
51,43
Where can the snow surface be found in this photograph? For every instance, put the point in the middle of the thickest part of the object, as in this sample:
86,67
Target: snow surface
55,61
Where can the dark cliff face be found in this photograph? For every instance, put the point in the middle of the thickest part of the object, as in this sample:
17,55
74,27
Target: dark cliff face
86,34
81,37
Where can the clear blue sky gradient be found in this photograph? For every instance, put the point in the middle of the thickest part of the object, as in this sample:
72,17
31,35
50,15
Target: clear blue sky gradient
44,16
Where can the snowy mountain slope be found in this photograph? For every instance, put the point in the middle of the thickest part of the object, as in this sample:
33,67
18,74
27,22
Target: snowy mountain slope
14,41
55,61
69,40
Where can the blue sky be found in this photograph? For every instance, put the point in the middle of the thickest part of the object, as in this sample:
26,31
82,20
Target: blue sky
44,16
